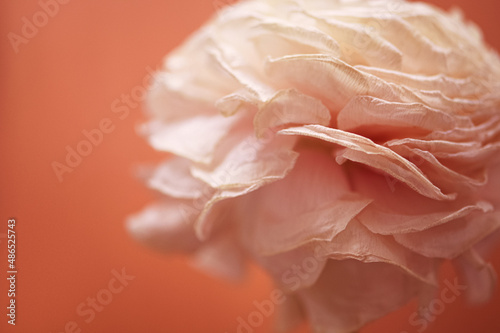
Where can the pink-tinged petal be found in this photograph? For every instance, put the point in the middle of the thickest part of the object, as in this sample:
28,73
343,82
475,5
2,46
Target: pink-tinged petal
174,179
425,155
474,161
290,107
395,223
491,189
214,209
221,256
288,218
397,209
363,150
481,133
321,224
449,240
350,294
487,246
480,277
357,242
292,270
164,227
194,138
347,152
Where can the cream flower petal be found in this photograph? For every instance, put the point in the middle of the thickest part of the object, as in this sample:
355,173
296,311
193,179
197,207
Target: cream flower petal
448,85
371,48
349,148
373,112
277,39
290,107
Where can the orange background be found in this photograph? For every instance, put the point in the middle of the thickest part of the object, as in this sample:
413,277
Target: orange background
70,234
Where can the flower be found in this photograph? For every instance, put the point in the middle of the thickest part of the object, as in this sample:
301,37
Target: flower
347,147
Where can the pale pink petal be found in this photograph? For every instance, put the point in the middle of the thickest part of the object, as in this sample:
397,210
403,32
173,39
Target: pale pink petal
397,209
346,147
362,150
357,242
221,256
164,227
292,270
350,294
213,209
195,138
426,154
450,239
174,179
285,210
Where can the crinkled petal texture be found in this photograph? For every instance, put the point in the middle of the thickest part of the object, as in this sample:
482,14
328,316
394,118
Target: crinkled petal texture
348,147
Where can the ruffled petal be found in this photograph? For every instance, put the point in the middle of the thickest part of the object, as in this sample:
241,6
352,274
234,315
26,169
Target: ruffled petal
357,242
396,209
450,239
290,107
362,150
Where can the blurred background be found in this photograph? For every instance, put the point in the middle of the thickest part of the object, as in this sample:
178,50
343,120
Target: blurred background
59,81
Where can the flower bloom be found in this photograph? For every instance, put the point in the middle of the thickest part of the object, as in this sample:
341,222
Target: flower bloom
347,147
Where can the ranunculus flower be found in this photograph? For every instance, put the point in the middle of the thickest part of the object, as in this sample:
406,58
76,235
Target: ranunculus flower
347,147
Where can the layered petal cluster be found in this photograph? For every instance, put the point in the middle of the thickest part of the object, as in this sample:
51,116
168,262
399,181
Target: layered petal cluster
348,147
